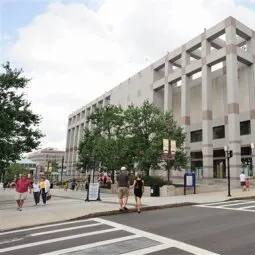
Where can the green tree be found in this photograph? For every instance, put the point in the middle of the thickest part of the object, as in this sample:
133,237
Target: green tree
133,136
147,127
14,170
19,131
106,142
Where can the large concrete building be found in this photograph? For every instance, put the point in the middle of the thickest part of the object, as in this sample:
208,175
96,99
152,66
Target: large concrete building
209,85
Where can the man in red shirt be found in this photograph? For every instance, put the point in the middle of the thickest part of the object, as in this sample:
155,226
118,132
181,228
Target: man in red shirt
22,187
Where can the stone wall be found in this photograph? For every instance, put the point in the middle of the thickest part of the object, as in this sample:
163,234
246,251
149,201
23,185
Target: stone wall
169,190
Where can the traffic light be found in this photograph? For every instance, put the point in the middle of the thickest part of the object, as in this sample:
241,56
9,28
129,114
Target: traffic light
230,154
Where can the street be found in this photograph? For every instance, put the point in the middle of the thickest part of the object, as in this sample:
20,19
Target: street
201,229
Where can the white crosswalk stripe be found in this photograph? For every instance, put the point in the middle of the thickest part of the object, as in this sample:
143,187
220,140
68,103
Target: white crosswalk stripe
91,236
235,205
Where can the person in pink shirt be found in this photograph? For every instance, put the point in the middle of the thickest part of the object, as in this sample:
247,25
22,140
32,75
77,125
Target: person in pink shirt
22,188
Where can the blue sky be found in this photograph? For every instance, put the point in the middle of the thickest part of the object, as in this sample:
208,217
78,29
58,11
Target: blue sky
19,13
15,14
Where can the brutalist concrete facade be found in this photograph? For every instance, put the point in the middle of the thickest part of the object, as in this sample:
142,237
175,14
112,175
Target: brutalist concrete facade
209,85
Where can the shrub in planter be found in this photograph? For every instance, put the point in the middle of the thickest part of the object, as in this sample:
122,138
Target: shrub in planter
154,180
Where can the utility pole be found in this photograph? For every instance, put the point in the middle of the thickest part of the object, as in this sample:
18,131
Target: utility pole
62,169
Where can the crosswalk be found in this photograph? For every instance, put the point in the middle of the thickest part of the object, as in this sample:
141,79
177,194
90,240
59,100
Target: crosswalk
91,237
235,205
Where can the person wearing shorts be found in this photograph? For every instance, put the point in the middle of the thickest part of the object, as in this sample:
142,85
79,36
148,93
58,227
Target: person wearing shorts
22,188
123,190
242,181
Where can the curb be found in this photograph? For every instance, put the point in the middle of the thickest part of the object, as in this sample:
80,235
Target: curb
240,198
147,208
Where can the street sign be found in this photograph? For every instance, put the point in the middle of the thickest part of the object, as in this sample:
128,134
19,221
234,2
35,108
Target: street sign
93,192
189,181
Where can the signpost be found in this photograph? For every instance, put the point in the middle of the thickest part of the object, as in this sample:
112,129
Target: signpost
169,150
93,192
189,181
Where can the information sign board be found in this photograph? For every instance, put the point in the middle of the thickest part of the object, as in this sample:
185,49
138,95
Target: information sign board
93,193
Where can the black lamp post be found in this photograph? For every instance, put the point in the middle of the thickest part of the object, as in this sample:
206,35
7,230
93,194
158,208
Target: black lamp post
228,155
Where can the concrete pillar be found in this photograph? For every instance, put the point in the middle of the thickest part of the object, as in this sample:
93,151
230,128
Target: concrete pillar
68,137
75,148
185,102
168,90
70,161
251,83
233,101
207,113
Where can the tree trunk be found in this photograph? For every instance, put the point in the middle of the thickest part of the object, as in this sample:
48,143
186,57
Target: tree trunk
112,177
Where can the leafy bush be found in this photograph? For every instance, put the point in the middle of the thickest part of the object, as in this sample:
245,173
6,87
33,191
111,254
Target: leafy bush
154,180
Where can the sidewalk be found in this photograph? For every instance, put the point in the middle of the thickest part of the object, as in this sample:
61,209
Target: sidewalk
70,205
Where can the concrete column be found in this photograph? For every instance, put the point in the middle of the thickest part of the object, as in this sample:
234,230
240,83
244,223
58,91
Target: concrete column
251,83
207,113
70,161
233,101
168,90
76,139
185,102
68,140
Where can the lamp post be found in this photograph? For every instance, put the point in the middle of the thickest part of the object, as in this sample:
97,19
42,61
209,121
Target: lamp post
228,155
169,149
252,149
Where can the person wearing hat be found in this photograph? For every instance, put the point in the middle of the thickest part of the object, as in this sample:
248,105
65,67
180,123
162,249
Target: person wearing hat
123,191
22,187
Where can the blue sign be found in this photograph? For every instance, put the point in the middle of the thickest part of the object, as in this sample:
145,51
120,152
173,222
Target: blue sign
189,181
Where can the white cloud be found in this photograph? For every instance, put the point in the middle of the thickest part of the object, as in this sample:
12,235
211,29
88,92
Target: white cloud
75,54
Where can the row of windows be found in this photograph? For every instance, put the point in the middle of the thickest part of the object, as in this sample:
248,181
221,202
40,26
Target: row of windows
219,132
82,114
245,151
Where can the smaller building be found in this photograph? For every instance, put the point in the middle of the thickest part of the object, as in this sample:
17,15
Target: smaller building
44,158
27,163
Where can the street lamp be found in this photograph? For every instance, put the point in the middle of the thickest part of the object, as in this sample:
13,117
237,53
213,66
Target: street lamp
252,149
228,155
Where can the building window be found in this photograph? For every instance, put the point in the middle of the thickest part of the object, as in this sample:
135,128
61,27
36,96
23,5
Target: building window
196,136
196,154
245,127
219,132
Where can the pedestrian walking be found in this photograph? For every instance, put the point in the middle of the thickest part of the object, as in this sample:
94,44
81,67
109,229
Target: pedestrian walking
22,188
36,192
248,184
123,191
45,187
73,184
138,191
66,186
242,181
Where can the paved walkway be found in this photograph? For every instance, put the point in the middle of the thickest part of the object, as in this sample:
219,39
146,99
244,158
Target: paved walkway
69,205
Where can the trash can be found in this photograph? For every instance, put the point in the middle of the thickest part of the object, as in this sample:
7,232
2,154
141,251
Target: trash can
51,185
154,190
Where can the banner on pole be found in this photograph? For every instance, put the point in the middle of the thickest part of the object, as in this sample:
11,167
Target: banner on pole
165,146
173,149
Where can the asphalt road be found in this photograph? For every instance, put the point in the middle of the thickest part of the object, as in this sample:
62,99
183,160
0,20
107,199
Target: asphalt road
220,228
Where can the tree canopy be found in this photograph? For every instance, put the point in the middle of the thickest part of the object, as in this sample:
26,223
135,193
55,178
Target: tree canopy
14,170
19,132
130,137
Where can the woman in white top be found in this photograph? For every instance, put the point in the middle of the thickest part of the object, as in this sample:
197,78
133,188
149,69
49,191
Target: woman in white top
242,181
36,192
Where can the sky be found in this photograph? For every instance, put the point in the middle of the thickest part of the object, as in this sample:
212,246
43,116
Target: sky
75,50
